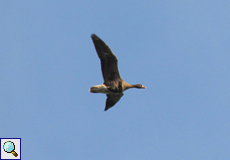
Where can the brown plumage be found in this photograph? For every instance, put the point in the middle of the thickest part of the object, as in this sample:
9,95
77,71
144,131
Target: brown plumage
113,85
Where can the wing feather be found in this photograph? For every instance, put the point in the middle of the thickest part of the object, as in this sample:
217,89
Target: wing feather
112,99
109,66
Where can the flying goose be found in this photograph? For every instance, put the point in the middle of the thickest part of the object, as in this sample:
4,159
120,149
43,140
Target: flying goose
113,85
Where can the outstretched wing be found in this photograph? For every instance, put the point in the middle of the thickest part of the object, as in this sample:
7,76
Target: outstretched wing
112,99
109,66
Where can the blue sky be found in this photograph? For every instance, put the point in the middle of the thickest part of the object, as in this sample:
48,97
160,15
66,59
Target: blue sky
179,50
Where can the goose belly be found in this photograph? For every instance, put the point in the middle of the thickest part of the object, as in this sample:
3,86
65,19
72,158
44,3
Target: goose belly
99,89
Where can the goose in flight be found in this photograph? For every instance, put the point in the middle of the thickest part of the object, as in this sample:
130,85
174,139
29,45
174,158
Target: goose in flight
113,85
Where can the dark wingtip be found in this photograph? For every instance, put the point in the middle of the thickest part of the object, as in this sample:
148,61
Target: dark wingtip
94,36
106,108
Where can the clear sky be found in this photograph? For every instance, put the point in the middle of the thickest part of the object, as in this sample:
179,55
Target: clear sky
178,49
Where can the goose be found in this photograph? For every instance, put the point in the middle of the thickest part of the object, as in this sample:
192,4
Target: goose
113,85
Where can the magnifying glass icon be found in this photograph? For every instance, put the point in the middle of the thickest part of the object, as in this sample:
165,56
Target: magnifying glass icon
9,147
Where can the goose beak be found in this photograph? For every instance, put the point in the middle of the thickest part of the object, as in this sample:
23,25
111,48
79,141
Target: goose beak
143,87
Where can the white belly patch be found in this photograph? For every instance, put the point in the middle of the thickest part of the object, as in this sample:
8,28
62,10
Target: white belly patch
99,89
